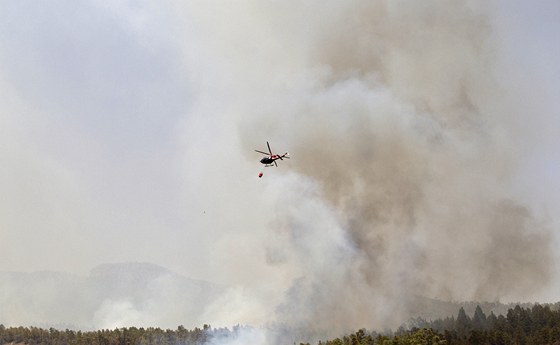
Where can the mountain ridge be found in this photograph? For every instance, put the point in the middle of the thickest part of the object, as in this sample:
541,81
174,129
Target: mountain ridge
113,294
145,294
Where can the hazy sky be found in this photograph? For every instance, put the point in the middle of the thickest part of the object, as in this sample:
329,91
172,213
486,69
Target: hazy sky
127,129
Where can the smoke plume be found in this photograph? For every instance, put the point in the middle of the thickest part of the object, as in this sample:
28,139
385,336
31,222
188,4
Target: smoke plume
402,155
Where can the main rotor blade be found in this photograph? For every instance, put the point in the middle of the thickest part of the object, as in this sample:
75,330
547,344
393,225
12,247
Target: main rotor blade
264,153
269,150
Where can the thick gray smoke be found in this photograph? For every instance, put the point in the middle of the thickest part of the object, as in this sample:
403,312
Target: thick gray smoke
402,155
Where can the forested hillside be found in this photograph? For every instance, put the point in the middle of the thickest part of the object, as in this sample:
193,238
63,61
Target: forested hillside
539,325
536,325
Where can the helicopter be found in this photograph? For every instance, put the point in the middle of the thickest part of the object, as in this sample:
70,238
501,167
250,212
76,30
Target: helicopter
271,158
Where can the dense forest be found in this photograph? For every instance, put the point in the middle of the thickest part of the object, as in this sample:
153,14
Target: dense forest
520,326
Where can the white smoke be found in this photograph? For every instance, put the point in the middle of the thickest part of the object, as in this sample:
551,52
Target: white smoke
402,157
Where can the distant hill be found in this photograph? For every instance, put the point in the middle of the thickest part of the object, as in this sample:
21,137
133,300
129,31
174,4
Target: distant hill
112,295
142,295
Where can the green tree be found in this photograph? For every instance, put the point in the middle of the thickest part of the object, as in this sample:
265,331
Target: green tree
463,323
479,319
427,336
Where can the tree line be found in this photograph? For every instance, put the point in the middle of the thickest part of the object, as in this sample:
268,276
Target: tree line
117,336
537,325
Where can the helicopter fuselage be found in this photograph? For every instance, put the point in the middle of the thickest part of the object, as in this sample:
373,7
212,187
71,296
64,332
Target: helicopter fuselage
267,160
